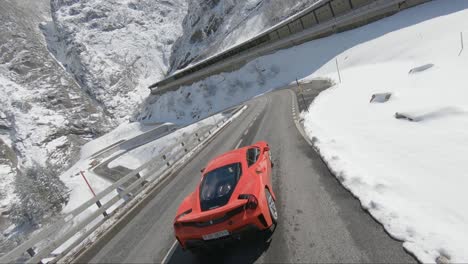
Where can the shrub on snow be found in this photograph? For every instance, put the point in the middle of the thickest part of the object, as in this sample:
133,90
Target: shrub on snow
41,195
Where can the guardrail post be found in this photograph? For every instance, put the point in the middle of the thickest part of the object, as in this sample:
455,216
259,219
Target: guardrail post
316,18
125,197
462,43
138,176
183,145
331,9
302,94
98,203
167,162
31,253
338,69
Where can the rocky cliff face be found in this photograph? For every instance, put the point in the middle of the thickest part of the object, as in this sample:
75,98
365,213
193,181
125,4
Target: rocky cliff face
70,71
211,26
115,49
44,115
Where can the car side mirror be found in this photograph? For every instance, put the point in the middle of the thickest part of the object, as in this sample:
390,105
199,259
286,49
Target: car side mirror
267,148
202,170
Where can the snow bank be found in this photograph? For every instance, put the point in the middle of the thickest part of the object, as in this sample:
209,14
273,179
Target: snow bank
137,157
411,176
132,159
124,131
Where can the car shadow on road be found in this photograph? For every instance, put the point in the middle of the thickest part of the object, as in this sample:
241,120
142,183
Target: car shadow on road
247,250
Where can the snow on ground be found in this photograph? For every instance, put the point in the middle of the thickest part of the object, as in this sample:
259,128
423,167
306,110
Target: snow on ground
80,192
137,157
7,195
124,131
411,176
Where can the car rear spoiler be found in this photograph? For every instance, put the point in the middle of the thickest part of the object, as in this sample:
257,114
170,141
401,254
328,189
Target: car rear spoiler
233,207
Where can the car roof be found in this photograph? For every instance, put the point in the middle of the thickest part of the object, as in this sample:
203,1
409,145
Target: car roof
233,156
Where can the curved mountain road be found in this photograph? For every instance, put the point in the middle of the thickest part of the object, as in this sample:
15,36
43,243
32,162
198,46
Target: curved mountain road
320,221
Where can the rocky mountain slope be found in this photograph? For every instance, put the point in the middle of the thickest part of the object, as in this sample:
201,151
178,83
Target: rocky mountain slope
115,49
44,115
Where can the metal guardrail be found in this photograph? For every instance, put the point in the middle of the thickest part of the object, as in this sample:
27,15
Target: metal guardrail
322,18
75,236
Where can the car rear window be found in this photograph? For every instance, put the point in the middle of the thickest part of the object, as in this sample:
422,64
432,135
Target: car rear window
252,156
217,186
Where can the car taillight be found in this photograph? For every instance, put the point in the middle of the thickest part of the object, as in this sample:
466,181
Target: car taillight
252,201
183,214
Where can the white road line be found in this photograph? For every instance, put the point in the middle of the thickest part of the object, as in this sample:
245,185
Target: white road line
245,133
238,144
169,253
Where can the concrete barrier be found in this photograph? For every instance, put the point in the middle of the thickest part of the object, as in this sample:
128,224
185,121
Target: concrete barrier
283,32
324,13
296,26
309,20
360,3
340,7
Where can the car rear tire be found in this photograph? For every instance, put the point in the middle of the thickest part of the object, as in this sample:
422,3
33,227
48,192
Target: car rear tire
271,207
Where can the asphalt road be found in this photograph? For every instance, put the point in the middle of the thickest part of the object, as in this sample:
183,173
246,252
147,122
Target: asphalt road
319,221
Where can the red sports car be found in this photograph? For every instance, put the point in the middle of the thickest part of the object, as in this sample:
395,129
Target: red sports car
235,195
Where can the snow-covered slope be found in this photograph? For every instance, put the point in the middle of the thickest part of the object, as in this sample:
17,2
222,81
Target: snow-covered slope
215,25
115,49
410,175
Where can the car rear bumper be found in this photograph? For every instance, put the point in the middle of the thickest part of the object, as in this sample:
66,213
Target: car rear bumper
237,235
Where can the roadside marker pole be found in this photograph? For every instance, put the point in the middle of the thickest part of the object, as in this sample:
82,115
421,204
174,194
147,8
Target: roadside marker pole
302,95
338,69
98,203
32,253
462,43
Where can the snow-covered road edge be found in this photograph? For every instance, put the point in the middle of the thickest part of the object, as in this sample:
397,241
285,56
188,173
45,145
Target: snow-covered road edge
408,173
